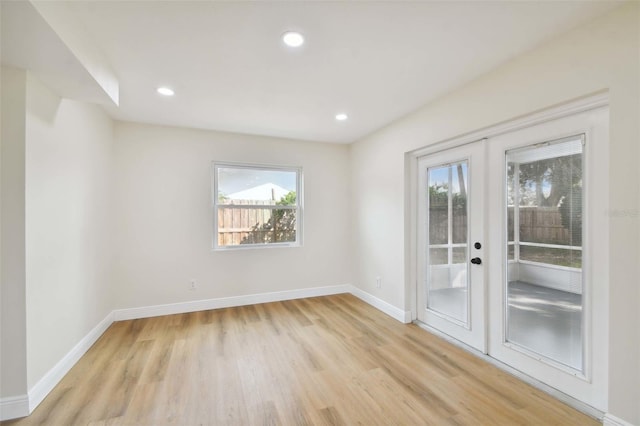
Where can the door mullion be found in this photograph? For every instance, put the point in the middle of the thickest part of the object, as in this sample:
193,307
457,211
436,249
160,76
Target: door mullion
516,212
450,217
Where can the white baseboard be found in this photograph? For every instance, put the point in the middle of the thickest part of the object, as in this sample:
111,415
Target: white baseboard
23,405
387,308
13,407
46,384
252,299
227,302
611,420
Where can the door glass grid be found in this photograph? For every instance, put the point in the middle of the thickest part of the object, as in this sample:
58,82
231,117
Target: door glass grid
447,254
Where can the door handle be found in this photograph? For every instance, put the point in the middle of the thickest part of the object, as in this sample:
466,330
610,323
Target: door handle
476,261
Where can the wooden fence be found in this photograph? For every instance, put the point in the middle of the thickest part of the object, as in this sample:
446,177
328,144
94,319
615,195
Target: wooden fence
541,225
438,225
237,225
537,224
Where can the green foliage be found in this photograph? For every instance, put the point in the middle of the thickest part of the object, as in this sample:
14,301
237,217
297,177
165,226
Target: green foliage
439,197
281,226
559,174
288,200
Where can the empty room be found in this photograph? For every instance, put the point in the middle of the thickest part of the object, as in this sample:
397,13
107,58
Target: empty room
320,212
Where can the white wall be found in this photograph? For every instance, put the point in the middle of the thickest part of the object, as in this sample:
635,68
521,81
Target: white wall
163,231
68,249
161,227
604,54
13,381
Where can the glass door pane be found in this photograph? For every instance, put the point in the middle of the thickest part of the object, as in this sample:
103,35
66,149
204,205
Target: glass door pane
544,303
447,274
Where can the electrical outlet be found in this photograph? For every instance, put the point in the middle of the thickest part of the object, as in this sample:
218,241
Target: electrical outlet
192,285
378,282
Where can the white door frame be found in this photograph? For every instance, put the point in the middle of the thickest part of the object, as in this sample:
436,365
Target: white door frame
600,100
411,173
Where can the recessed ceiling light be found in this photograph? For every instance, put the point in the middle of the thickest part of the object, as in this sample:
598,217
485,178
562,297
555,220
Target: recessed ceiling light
293,39
342,117
165,91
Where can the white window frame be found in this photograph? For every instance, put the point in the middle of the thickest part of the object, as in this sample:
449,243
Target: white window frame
261,167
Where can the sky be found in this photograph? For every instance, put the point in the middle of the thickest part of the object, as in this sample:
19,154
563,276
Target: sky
231,179
440,175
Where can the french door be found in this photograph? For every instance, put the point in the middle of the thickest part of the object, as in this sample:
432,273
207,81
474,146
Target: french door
451,293
507,229
549,243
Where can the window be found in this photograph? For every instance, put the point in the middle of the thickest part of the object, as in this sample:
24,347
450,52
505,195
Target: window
544,197
256,206
544,303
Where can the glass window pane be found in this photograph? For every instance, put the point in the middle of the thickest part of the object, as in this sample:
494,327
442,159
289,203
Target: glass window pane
438,256
249,186
544,206
237,225
551,200
459,255
439,205
447,280
459,203
552,256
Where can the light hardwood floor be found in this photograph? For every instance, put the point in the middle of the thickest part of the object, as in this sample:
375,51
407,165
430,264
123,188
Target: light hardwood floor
326,360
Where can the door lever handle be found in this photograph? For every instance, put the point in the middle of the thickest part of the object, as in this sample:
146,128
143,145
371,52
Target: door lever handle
476,261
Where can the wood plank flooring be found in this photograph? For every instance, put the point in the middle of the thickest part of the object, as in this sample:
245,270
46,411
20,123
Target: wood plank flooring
319,361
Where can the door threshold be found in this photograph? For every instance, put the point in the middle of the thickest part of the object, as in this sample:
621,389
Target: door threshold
561,396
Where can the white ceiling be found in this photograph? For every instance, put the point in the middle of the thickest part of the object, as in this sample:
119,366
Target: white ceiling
376,61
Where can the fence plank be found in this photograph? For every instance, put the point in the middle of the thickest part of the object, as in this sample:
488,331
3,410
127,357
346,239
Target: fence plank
235,225
537,224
